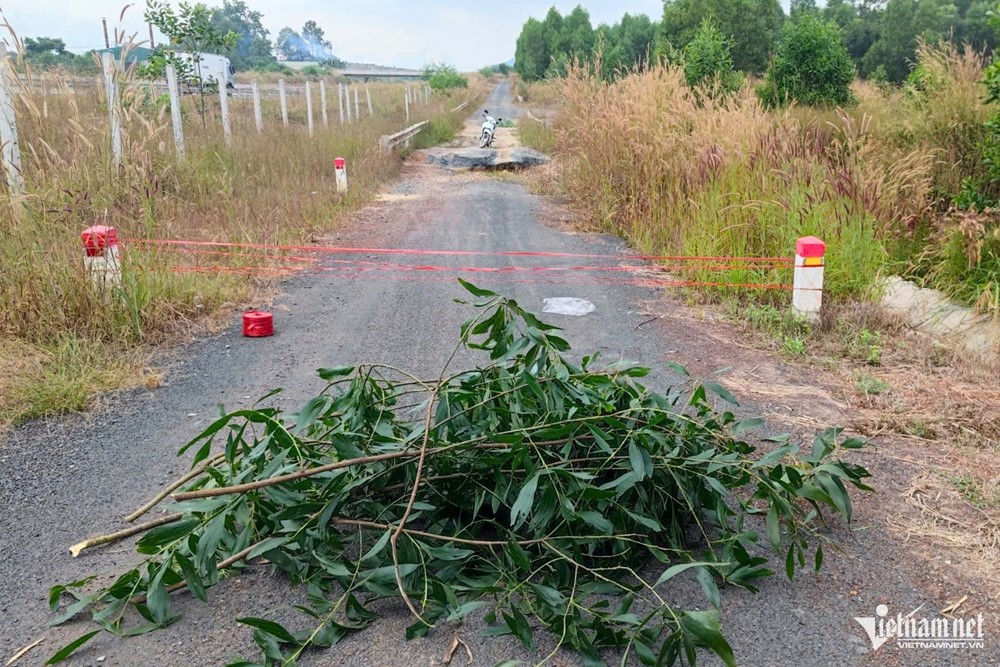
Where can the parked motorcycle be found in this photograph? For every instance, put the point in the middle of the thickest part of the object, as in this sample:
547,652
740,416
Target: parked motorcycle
489,129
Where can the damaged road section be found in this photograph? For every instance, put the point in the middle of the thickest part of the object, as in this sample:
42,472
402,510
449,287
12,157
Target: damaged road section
486,158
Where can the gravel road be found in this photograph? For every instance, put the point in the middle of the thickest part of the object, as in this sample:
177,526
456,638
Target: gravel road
65,478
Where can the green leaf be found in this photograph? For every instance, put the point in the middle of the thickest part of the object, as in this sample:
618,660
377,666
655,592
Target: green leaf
387,573
645,653
773,527
71,612
378,547
264,546
721,392
468,608
747,425
819,557
677,368
191,576
418,629
475,291
703,627
674,570
637,461
330,374
270,627
518,624
525,498
69,649
596,520
157,598
790,561
709,587
155,540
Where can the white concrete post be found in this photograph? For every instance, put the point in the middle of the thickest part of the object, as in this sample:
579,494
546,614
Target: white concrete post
8,132
406,101
368,96
340,169
322,103
114,107
175,111
227,129
258,117
807,287
309,107
284,102
340,101
100,255
347,101
357,108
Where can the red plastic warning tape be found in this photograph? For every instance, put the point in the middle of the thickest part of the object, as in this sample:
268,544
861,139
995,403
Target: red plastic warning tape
416,277
460,253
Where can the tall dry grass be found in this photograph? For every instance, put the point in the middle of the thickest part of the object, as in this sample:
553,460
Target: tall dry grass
677,173
276,187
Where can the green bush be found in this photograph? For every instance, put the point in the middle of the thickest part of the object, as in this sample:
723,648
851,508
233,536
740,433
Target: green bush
315,70
708,61
274,67
444,77
810,66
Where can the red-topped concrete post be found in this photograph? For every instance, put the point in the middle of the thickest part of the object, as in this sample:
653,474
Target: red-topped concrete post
807,291
340,168
100,255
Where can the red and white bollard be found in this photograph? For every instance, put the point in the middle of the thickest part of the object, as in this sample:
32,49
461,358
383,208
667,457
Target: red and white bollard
340,168
100,255
807,286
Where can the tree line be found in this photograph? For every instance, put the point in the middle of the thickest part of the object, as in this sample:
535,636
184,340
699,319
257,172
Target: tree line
242,38
880,36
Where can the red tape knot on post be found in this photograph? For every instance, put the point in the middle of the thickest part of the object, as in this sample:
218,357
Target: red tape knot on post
258,324
97,238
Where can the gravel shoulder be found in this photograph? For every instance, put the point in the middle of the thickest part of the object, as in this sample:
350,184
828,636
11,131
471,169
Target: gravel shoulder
68,477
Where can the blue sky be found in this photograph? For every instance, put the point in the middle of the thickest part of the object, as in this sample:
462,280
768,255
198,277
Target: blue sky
387,32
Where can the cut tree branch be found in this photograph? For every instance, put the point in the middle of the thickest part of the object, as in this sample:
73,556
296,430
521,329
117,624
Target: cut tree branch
121,534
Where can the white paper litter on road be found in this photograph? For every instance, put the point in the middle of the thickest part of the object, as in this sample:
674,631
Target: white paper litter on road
567,305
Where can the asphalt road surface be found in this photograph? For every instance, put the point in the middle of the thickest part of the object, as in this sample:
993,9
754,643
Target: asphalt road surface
62,479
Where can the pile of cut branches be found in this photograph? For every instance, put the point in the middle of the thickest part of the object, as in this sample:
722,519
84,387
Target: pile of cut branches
537,489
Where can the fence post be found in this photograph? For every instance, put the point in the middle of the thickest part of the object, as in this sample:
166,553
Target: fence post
100,255
175,111
347,101
284,102
227,130
807,285
322,102
8,132
309,107
114,108
340,169
258,117
340,100
357,109
406,100
368,96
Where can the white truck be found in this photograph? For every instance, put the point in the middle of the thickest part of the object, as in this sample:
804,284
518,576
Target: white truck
208,68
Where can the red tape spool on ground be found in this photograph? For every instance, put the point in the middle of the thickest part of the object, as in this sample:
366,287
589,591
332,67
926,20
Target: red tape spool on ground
258,324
